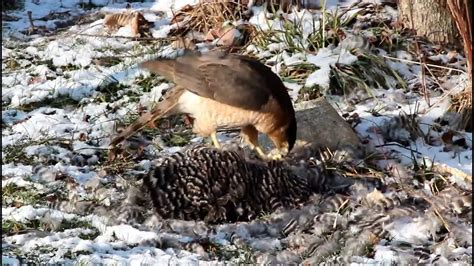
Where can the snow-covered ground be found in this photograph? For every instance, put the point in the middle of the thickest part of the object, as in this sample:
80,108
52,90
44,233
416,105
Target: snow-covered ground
59,112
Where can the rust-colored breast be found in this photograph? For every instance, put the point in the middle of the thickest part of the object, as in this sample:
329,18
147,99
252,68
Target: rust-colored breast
210,115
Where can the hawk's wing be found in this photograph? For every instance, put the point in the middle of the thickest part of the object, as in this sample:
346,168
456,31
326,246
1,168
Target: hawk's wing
231,79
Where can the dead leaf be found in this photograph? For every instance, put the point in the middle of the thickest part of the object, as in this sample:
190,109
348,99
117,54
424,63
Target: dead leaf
376,197
452,56
447,137
83,136
184,42
133,19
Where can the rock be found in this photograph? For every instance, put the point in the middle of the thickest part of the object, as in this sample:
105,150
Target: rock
321,125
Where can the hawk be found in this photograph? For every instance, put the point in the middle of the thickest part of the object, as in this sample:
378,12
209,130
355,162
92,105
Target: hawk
219,90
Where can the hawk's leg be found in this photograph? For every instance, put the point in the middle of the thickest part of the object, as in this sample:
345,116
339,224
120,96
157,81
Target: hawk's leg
250,136
214,140
280,143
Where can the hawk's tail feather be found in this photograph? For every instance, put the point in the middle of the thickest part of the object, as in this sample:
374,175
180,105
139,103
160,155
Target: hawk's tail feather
163,67
160,110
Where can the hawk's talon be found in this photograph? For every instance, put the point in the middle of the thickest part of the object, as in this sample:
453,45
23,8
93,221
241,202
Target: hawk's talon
275,154
215,141
276,157
260,152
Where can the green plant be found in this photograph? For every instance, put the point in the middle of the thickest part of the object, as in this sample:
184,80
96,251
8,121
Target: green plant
367,73
60,101
13,195
292,34
110,89
147,83
12,4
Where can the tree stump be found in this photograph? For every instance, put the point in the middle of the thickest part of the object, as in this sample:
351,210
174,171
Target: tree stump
430,19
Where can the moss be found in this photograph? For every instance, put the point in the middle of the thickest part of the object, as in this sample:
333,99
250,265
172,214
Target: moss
147,83
12,63
59,102
11,227
110,90
13,195
177,140
309,93
74,223
15,153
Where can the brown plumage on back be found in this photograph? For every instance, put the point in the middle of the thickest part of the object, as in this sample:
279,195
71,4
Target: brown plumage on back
223,90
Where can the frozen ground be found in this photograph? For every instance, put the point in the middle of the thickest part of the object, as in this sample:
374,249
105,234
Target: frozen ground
61,104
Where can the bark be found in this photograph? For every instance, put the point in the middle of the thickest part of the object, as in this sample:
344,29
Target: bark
430,19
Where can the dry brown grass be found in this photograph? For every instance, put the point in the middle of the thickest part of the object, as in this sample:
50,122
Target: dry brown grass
206,16
462,103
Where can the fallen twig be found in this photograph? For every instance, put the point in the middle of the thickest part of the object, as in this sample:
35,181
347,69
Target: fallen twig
168,39
30,20
426,64
399,145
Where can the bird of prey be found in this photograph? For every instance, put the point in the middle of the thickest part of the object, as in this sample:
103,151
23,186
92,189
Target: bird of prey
219,90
